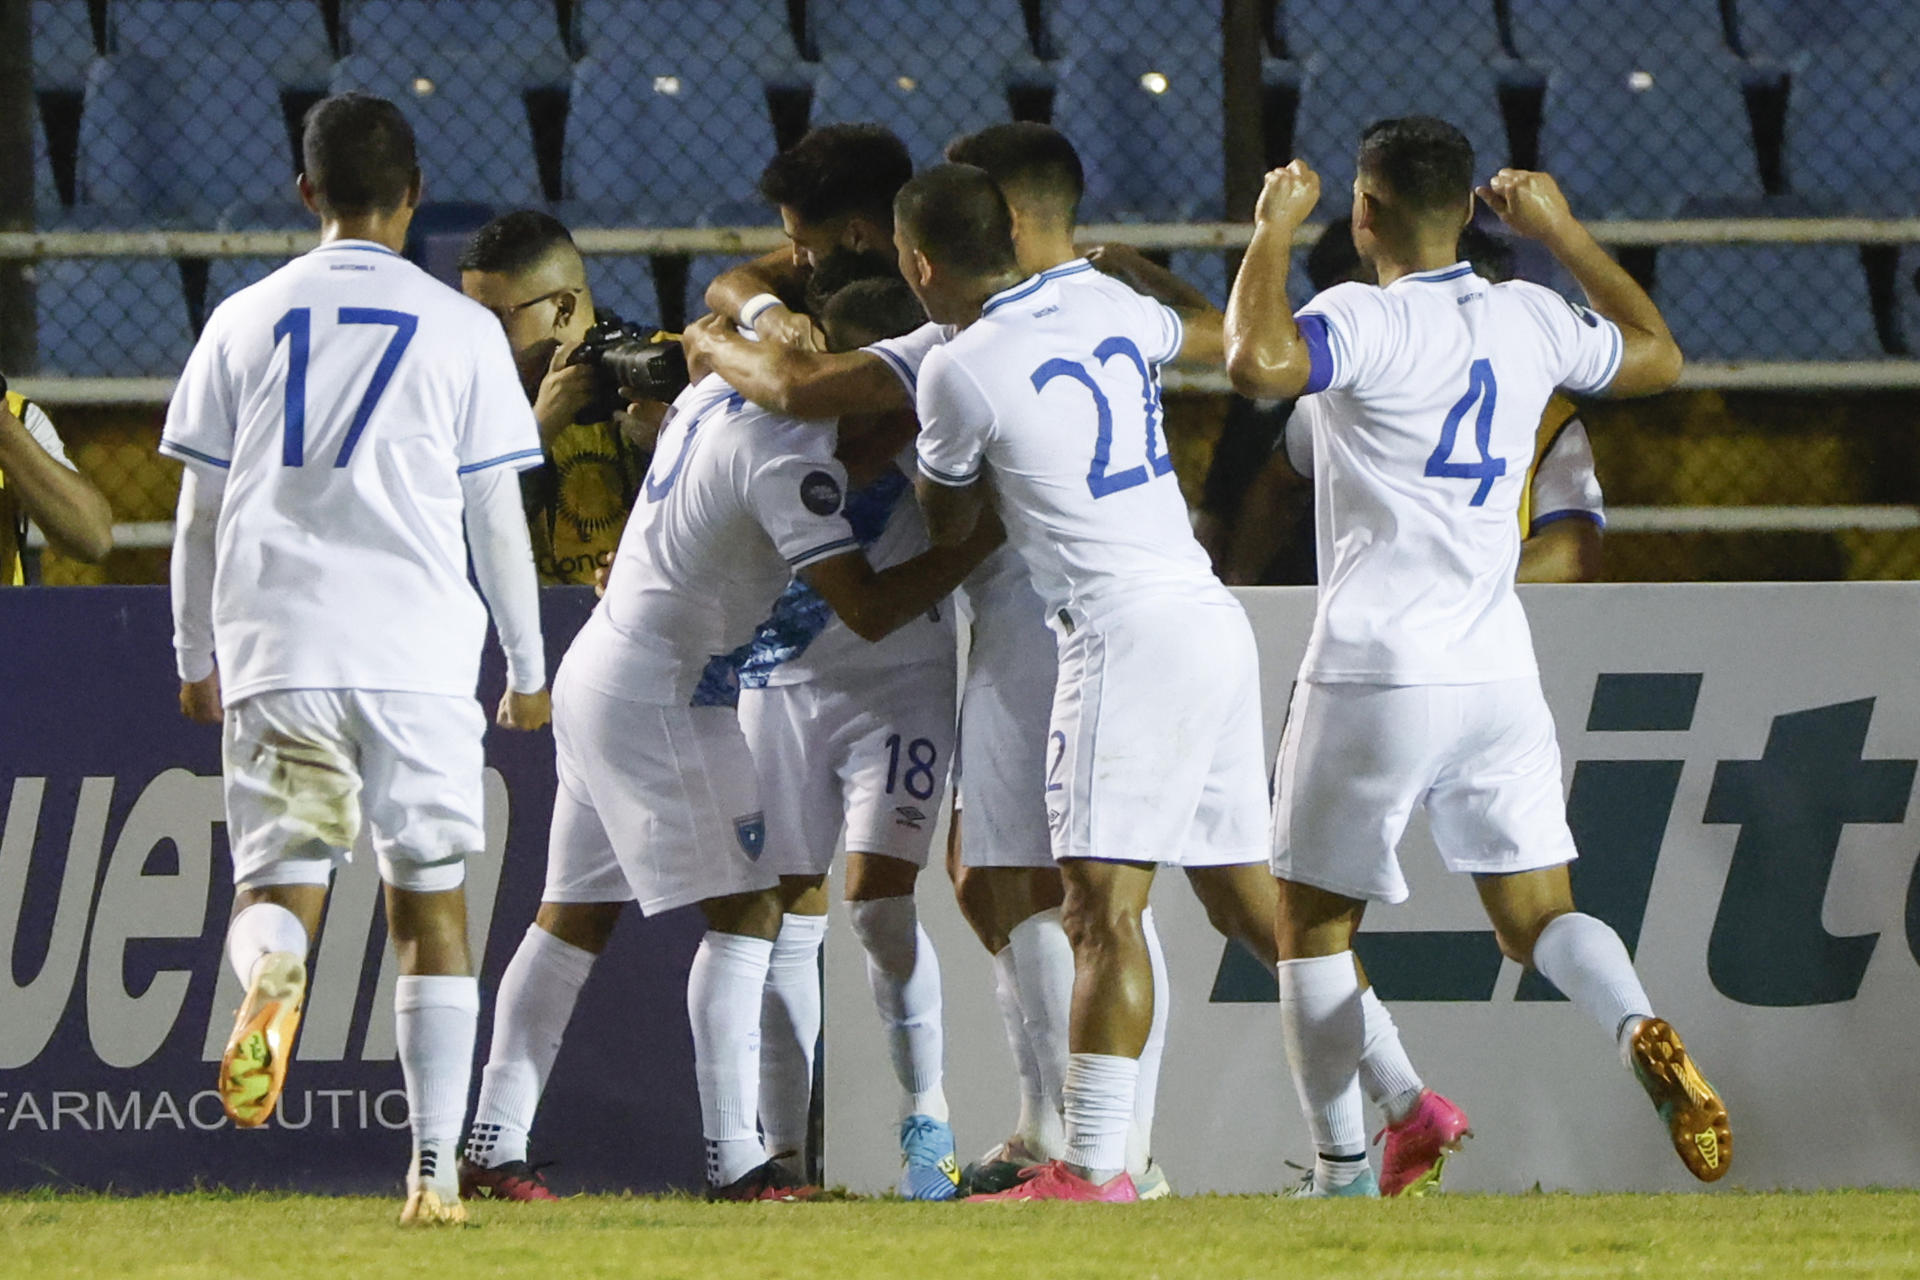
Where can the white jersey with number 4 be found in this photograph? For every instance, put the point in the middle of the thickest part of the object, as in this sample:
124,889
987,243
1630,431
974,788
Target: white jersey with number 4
344,396
1056,388
1424,401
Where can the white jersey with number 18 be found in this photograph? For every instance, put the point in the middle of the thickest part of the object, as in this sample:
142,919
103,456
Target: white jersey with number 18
344,396
1056,389
1423,402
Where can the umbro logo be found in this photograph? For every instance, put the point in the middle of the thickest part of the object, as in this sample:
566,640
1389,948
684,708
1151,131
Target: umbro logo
908,816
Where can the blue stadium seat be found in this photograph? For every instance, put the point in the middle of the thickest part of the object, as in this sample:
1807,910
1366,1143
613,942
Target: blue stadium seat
46,194
1147,122
527,31
989,30
623,286
1778,30
1363,63
926,100
1644,103
1767,302
754,30
1853,125
112,317
62,44
663,138
177,140
469,117
290,36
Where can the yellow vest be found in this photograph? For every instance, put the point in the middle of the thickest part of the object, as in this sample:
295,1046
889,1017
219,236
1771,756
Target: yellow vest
583,501
12,528
1559,412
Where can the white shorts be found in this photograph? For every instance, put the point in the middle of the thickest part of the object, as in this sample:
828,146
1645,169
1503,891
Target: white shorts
1356,758
303,766
1003,759
871,760
654,803
1156,750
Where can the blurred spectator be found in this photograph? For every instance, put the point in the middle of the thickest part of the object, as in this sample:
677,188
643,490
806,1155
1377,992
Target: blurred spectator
39,485
1265,535
524,268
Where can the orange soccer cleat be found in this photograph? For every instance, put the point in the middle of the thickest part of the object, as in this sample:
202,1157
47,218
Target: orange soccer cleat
1695,1116
254,1068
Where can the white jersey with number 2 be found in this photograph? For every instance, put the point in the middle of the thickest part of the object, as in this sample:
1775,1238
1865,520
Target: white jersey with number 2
1423,402
1056,389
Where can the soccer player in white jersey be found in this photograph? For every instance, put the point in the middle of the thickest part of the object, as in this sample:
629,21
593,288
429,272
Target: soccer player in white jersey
1154,754
657,786
1419,685
853,736
340,421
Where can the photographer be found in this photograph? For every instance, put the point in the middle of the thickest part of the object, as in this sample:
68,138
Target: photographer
39,484
524,268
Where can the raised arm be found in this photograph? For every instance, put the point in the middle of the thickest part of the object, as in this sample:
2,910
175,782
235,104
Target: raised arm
1203,340
751,293
1266,356
796,382
1531,203
875,603
69,510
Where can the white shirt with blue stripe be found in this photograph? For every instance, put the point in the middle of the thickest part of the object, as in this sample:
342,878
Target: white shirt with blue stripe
1056,390
1422,405
342,399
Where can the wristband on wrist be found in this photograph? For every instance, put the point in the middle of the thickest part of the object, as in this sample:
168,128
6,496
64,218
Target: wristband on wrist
758,305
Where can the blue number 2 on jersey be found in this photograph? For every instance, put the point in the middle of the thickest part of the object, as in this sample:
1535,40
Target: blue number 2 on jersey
297,328
1100,481
1482,388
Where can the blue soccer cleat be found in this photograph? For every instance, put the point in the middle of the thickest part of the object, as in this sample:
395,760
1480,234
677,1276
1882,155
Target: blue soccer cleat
931,1170
1364,1187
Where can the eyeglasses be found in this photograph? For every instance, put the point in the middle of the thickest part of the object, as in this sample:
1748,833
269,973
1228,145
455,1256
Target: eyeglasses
506,313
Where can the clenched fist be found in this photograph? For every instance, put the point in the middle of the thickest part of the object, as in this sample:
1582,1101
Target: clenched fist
1289,195
1528,202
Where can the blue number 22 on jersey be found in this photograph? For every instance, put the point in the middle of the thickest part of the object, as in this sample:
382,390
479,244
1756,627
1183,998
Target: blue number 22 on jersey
1100,481
1480,387
297,328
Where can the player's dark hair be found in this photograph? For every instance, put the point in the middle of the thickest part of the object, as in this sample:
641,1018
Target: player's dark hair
1426,163
840,267
955,214
1333,259
869,310
839,169
1025,155
513,242
357,151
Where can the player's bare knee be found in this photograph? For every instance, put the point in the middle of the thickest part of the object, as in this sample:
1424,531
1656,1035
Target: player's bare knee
1517,935
586,925
429,931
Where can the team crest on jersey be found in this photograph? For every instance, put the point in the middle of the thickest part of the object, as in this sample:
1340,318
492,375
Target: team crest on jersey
820,493
908,816
751,831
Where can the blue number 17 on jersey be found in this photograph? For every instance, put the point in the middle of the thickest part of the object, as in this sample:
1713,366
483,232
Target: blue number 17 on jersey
1482,388
296,327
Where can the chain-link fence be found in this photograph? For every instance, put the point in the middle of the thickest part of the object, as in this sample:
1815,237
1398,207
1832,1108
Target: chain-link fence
1749,159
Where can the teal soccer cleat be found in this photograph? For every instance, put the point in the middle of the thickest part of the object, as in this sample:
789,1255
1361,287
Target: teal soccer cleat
932,1171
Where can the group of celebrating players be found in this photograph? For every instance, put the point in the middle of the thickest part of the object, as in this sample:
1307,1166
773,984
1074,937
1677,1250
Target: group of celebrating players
931,407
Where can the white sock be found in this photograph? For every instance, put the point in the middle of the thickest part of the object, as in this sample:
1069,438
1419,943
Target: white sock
1043,976
1585,959
1140,1137
260,930
1033,1093
1100,1089
1387,1076
905,976
789,1032
1324,1030
724,990
435,1017
530,1015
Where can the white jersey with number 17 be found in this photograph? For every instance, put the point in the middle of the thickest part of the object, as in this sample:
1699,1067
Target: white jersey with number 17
344,396
1423,401
1056,389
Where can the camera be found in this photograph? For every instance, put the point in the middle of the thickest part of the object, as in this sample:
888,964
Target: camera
647,360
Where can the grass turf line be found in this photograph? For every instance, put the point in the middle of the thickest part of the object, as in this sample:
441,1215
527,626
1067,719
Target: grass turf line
1853,1233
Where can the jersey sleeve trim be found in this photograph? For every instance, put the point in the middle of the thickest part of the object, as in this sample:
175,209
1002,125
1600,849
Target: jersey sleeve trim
1570,513
1616,357
901,369
952,479
175,449
529,458
1318,335
825,551
1179,335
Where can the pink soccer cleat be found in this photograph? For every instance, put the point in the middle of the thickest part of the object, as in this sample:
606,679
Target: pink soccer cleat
1417,1147
1054,1180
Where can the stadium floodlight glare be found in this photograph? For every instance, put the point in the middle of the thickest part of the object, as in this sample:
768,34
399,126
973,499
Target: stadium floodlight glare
669,85
1154,82
422,87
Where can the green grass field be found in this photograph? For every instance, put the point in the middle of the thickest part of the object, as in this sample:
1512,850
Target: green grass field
291,1237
